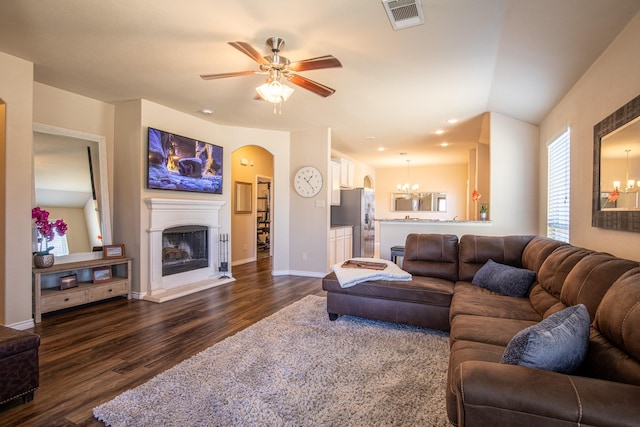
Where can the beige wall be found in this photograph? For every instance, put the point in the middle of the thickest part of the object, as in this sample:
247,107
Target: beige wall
16,91
513,205
310,217
612,81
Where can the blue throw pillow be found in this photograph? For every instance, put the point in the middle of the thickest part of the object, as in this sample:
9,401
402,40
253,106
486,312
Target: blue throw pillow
558,343
508,280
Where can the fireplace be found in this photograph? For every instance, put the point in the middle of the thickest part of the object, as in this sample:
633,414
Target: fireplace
183,248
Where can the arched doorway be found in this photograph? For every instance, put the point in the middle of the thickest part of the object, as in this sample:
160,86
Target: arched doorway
368,182
252,166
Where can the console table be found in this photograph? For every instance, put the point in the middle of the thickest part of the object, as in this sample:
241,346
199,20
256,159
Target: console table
48,297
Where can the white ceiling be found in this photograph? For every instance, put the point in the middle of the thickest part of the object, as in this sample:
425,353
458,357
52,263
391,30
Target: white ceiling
515,57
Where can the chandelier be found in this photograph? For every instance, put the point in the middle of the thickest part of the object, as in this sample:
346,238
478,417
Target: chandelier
631,183
406,186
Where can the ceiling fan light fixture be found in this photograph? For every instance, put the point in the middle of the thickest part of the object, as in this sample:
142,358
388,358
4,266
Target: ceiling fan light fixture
274,92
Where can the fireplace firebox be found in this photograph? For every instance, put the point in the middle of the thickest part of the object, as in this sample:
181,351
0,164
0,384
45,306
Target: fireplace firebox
184,248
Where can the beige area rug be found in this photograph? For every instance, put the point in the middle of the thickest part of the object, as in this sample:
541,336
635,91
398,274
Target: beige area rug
297,368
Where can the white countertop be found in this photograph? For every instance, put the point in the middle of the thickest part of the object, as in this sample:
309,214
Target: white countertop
430,221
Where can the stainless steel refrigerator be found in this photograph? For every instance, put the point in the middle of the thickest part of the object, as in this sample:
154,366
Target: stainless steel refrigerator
357,208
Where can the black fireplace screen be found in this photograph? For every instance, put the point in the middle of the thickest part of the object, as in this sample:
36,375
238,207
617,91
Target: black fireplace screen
184,248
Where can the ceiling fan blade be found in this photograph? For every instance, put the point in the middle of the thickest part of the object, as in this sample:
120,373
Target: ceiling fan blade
327,61
225,75
315,87
248,50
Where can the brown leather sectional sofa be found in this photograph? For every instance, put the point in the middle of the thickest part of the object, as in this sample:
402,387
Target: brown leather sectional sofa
481,391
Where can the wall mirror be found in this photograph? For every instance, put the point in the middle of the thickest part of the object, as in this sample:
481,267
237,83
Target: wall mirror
620,167
419,202
70,180
616,163
242,197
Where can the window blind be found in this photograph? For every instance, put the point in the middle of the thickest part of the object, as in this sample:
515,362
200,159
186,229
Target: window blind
59,244
558,188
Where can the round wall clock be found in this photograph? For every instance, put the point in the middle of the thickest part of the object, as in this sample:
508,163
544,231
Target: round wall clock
308,181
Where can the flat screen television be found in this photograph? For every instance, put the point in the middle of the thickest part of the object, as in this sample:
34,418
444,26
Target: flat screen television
183,164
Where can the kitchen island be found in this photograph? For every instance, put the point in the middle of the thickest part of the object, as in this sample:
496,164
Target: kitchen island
394,231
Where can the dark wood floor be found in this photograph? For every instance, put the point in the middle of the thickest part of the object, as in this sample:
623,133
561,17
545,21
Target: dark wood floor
90,355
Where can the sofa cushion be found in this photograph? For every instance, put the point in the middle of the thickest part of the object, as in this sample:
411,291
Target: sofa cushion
433,255
618,316
590,279
490,304
476,250
557,266
488,330
558,343
537,250
505,279
543,302
545,294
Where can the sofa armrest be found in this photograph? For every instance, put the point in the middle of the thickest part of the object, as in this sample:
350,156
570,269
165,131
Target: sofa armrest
490,394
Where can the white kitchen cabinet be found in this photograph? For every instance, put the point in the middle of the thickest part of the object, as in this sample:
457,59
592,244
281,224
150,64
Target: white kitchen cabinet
348,243
335,183
340,244
347,172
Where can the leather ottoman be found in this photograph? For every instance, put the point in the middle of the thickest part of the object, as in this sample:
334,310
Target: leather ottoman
19,369
423,301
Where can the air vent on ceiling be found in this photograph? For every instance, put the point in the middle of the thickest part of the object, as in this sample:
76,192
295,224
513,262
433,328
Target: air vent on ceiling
404,13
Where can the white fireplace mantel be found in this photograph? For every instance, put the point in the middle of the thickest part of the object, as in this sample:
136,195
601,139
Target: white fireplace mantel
167,213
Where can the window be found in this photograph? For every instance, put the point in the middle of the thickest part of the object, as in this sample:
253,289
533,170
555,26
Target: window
558,187
59,244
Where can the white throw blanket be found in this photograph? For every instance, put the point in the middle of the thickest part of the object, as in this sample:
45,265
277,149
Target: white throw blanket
352,276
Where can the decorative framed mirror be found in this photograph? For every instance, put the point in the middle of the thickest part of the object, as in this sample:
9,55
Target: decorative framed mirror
419,202
616,162
242,197
70,175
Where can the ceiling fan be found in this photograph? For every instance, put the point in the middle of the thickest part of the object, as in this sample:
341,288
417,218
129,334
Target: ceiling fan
277,67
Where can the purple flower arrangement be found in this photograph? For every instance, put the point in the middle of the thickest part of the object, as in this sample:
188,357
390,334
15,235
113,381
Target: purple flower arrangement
46,229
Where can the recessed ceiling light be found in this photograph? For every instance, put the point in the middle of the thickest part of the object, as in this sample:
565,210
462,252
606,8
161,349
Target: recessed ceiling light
452,121
206,111
444,144
439,132
380,148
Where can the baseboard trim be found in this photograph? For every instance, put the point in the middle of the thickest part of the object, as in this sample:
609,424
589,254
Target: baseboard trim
298,273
